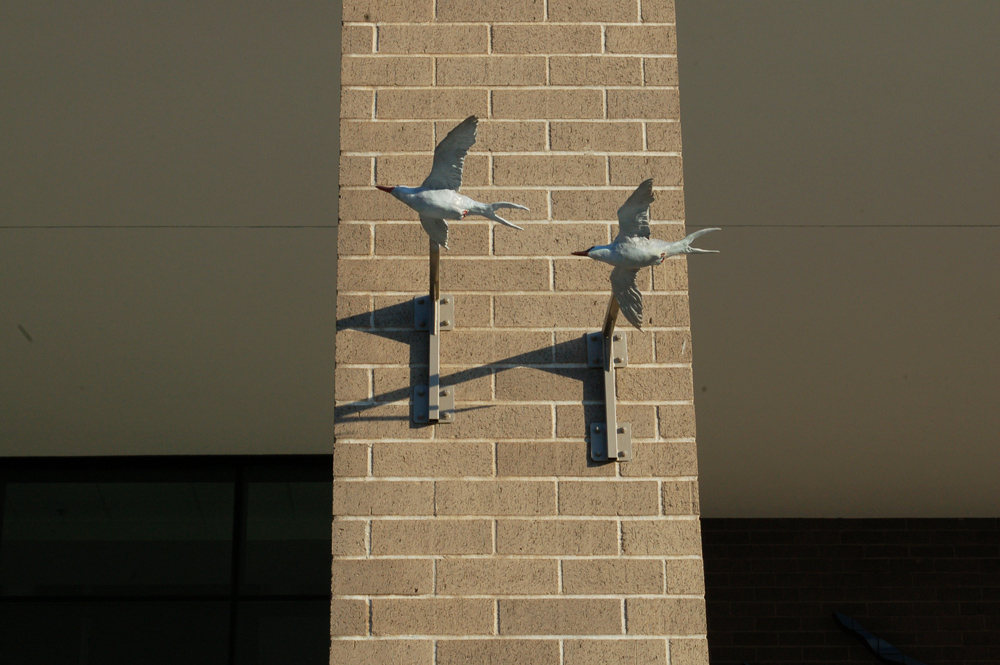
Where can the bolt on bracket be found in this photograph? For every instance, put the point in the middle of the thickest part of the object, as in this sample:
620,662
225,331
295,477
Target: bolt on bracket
609,440
434,313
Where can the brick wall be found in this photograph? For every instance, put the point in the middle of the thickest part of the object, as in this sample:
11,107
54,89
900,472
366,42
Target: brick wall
492,540
930,587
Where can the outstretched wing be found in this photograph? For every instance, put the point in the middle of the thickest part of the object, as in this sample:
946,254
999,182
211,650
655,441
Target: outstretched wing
437,229
633,216
628,296
449,156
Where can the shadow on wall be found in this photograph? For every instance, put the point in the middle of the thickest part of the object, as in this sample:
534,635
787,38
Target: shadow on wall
567,360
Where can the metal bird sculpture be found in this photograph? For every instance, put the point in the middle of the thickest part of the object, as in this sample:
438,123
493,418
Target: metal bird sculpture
633,249
437,198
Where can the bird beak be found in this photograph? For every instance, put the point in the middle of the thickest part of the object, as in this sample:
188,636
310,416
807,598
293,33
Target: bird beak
384,189
585,252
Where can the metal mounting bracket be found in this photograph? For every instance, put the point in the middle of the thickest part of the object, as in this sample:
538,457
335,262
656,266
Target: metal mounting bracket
609,440
434,313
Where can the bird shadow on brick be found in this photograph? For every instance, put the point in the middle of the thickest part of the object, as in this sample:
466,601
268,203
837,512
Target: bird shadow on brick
558,371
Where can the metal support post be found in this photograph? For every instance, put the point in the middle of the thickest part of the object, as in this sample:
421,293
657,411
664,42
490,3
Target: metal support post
608,350
434,313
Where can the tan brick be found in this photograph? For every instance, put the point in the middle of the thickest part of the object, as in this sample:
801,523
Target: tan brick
350,460
560,616
540,239
376,652
464,239
471,311
612,576
651,39
355,170
666,616
497,652
438,537
379,577
486,10
586,497
356,103
632,169
535,199
658,11
500,422
603,204
505,136
534,384
383,498
432,616
663,136
388,136
546,170
369,204
377,274
548,104
685,576
678,497
562,310
383,421
381,11
616,652
659,383
497,576
595,70
386,70
354,239
660,71
495,70
632,104
433,39
585,275
352,384
349,537
573,420
671,275
689,652
676,421
547,39
353,311
666,310
481,347
671,231
597,136
563,537
662,460
531,458
412,169
507,275
357,39
348,617
495,497
472,384
661,537
432,459
598,11
386,348
456,104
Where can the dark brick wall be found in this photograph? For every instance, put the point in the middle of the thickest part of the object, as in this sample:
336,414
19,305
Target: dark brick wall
931,587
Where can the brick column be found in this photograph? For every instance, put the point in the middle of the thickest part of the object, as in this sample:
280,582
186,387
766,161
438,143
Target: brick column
492,539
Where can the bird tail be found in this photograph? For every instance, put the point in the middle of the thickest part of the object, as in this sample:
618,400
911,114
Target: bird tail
492,213
686,247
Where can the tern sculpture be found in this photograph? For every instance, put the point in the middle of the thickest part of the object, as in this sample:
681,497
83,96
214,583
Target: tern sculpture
633,249
437,198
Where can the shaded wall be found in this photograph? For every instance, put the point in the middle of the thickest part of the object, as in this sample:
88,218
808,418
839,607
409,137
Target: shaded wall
930,587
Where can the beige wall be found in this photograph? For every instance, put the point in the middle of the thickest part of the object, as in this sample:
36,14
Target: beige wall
492,539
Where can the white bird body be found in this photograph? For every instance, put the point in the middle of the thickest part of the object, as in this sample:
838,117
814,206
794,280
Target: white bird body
633,249
437,199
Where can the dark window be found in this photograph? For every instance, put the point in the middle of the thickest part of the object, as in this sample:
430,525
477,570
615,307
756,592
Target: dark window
165,560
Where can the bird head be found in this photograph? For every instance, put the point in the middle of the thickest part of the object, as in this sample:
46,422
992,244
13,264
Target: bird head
585,252
384,188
